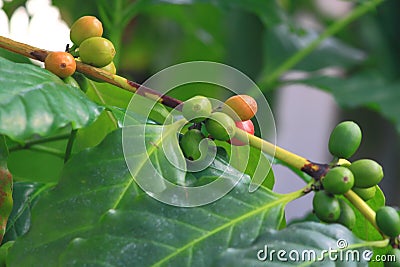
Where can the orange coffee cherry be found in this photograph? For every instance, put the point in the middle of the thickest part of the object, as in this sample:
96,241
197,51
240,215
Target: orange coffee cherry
240,107
61,64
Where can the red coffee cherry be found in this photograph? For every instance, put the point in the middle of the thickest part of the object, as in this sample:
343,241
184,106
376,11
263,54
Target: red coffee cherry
246,126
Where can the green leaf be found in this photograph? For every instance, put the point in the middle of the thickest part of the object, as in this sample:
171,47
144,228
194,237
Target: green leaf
97,215
152,156
25,196
258,166
297,241
23,163
363,227
282,42
4,252
366,89
268,11
35,101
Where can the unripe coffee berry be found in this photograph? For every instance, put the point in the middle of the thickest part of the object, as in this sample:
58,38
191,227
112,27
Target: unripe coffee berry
388,221
197,109
240,107
367,173
326,206
84,28
338,180
246,126
347,216
109,68
365,193
190,144
345,139
220,126
61,64
97,51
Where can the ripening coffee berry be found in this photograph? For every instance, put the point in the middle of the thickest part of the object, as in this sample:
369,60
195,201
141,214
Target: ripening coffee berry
367,173
394,256
61,64
345,139
326,206
388,221
197,109
240,107
84,28
97,51
190,144
246,126
109,68
347,216
220,126
365,193
338,180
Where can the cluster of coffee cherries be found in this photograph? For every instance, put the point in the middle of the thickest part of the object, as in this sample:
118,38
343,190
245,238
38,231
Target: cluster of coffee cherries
220,124
89,47
362,176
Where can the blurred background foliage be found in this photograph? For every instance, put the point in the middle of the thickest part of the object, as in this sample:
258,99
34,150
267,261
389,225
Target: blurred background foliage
359,65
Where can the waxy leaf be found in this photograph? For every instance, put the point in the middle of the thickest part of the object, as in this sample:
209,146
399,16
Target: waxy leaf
304,244
35,101
25,196
97,215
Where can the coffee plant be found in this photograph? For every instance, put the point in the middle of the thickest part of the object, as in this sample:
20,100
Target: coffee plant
99,170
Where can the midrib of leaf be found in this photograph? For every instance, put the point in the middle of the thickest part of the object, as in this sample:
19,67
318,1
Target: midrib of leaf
153,149
282,199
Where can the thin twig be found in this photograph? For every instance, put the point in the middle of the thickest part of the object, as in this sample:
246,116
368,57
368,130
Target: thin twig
28,144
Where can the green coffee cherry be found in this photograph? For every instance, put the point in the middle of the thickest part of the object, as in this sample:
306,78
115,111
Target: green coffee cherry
220,126
345,139
109,68
338,180
343,163
84,28
365,193
97,51
326,206
347,216
190,143
367,173
388,221
395,261
197,109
